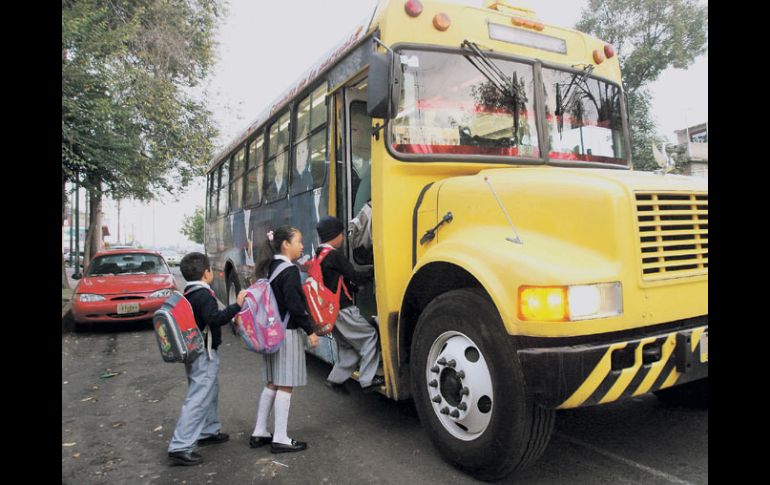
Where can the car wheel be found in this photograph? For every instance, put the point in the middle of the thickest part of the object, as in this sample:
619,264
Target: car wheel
469,389
693,394
233,288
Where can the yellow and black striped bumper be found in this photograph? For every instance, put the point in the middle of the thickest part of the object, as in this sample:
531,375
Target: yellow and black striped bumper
582,375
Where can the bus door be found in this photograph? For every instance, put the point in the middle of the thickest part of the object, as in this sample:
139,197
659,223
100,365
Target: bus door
357,184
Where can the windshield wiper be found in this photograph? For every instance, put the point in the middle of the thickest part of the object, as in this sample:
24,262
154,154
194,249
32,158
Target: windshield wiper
578,79
507,87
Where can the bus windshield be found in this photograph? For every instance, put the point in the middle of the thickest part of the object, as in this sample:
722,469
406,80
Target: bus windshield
450,107
583,118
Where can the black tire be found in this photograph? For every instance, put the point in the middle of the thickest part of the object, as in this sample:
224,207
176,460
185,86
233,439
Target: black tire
693,394
233,288
518,430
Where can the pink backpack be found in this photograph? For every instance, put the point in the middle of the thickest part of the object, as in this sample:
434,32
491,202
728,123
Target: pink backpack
260,324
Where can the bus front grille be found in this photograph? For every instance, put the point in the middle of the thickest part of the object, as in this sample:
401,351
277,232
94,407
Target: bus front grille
673,234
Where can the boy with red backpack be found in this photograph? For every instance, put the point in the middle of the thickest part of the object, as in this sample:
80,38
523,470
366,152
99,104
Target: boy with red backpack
356,338
199,420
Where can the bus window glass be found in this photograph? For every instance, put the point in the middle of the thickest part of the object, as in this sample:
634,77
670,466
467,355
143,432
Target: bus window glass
237,163
309,166
279,135
212,198
318,110
236,194
449,107
303,118
361,148
276,177
302,178
223,186
583,119
253,195
318,157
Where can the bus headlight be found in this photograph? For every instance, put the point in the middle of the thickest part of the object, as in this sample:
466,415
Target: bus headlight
570,303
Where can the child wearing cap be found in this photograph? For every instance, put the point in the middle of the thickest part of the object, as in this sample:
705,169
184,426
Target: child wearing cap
357,339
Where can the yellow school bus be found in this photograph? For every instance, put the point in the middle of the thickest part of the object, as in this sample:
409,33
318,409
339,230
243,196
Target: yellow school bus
521,266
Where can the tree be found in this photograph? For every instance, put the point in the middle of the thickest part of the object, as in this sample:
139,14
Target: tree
650,36
130,124
192,226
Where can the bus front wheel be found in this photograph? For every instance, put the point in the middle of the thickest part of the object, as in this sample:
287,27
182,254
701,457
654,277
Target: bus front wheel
469,388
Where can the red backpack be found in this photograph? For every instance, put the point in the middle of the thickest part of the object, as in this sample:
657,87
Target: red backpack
324,305
179,338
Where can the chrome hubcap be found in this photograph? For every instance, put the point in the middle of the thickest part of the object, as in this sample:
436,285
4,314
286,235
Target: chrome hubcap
459,385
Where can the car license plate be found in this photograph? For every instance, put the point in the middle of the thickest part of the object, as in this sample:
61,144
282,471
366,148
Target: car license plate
704,347
128,308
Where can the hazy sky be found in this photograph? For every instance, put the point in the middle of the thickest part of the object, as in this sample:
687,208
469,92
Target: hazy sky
265,46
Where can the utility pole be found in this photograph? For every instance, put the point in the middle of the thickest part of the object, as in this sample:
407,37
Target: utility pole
71,220
119,222
77,226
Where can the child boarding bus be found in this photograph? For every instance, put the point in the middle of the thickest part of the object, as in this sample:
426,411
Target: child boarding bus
520,265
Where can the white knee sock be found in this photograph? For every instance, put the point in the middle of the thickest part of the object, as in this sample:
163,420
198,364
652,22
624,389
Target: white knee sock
263,411
281,411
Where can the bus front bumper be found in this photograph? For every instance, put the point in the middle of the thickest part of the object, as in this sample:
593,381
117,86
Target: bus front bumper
570,376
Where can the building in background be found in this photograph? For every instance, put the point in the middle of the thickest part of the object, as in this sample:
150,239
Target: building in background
693,144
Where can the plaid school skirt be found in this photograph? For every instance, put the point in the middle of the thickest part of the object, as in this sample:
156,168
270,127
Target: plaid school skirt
287,366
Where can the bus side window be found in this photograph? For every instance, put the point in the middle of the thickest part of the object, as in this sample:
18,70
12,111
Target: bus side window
277,167
309,167
224,185
256,170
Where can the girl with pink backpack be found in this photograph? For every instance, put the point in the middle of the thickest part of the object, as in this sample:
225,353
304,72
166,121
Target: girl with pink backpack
284,369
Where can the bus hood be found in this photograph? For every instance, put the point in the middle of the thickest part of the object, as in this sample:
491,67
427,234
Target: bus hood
600,213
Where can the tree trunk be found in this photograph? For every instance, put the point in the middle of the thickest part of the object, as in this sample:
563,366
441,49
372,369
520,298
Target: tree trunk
64,281
94,235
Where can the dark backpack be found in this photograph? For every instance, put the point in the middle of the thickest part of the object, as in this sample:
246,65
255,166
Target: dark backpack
179,338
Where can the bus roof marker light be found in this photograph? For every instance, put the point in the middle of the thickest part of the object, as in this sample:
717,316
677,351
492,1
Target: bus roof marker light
441,21
609,51
413,8
598,56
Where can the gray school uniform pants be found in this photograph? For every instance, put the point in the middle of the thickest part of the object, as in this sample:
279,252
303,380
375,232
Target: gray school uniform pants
356,340
199,417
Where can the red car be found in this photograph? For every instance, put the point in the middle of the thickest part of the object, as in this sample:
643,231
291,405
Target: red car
122,285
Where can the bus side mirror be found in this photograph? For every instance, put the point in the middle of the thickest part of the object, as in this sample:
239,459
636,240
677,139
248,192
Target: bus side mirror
384,91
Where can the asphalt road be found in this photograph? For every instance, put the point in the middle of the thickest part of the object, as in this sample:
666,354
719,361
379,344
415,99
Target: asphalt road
120,403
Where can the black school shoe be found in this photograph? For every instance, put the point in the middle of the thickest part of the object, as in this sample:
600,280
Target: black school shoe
214,440
377,382
283,448
184,458
257,441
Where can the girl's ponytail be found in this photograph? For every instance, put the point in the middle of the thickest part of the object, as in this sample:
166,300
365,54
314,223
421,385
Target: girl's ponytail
272,246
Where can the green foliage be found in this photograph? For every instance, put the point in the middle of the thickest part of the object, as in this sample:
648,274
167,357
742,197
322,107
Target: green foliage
650,36
192,226
129,121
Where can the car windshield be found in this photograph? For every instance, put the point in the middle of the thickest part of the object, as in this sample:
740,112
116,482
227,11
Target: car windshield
451,106
131,263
